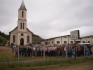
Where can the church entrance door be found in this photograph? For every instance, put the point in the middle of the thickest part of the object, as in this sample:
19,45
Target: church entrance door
21,41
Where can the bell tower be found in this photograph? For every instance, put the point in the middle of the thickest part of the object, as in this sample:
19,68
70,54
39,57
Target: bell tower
22,24
22,18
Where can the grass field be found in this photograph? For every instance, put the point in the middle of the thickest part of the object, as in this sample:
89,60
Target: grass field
51,63
7,55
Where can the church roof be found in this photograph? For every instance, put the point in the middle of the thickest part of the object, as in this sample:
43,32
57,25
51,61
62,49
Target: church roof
29,31
13,30
17,28
22,7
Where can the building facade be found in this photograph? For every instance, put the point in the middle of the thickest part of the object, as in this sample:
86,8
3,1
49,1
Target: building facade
21,35
67,40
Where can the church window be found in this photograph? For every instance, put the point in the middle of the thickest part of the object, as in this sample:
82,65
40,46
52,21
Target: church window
22,13
23,25
27,39
13,38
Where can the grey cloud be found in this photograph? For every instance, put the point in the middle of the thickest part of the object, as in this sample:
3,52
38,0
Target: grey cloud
49,18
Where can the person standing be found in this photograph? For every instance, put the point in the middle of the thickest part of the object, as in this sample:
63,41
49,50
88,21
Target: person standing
92,50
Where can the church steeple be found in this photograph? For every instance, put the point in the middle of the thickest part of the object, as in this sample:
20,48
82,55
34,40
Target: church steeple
22,12
22,7
22,16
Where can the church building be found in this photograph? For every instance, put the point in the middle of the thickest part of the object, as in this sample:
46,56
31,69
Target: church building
21,35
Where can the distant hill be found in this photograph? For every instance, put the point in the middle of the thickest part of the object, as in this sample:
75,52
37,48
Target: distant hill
35,38
3,38
4,35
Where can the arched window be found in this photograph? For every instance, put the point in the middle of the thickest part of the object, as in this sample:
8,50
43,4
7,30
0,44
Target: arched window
27,39
21,41
23,25
22,13
14,38
20,25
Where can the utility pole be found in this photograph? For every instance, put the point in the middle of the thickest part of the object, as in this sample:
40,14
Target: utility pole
44,52
18,52
75,48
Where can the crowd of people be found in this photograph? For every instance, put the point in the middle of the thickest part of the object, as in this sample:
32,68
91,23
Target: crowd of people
64,50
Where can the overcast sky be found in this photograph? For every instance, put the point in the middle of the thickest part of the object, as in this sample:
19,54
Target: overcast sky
49,18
